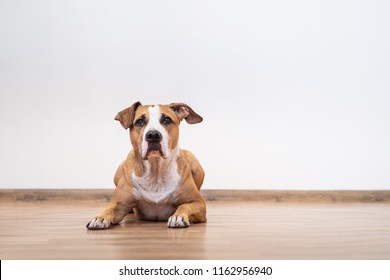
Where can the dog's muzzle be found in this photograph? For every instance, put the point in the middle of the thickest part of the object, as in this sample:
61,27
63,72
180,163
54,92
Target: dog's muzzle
153,139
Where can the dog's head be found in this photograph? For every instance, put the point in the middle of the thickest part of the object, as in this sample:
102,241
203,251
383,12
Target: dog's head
154,129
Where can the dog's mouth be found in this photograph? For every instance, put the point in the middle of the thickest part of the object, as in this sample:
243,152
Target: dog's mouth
154,150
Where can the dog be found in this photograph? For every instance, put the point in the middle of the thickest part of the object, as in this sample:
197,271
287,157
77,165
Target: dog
158,180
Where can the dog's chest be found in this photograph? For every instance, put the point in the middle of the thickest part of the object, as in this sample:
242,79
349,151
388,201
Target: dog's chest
155,212
157,189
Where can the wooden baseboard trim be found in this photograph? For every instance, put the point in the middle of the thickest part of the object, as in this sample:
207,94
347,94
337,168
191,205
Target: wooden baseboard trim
297,196
104,195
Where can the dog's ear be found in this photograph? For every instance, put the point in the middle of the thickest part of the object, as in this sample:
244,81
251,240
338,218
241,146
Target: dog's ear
126,116
183,111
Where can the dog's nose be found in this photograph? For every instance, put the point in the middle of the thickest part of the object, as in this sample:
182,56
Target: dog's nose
153,136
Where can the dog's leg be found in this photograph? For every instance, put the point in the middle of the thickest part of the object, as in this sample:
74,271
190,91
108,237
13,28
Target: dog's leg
194,212
121,204
197,171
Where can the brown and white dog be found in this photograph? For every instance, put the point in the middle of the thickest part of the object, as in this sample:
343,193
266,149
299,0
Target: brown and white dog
158,180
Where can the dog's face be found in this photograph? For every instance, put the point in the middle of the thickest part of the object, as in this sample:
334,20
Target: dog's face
154,129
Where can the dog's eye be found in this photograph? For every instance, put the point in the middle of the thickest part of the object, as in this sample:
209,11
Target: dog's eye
140,122
167,120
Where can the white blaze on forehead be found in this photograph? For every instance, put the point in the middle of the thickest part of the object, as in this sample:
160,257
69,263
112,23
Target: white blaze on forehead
154,118
154,124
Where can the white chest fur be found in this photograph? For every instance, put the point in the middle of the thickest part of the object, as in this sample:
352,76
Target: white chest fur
157,189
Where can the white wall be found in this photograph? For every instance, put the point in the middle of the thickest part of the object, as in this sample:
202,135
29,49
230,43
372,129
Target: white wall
294,94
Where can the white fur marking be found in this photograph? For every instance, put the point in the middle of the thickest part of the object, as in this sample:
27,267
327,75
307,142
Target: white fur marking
176,222
154,124
148,189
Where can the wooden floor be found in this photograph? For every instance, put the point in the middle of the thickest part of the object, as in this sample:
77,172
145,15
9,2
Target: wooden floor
235,230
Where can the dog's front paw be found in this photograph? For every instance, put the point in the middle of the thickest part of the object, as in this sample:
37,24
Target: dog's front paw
99,223
176,221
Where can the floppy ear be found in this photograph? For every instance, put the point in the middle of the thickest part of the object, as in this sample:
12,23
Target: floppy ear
183,111
126,116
